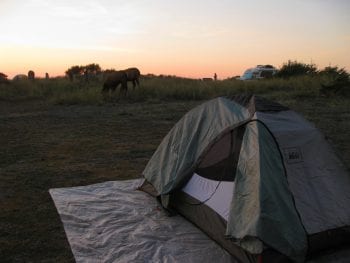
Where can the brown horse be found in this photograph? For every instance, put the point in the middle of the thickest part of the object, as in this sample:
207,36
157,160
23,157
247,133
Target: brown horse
116,78
113,80
133,74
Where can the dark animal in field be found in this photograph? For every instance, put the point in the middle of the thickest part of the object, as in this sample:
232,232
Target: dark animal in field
133,74
116,78
113,80
31,75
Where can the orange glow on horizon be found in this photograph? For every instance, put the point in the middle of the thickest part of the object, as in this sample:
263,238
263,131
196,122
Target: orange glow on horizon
56,61
174,38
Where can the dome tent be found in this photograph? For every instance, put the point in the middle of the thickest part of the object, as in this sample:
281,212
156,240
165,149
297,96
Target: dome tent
256,177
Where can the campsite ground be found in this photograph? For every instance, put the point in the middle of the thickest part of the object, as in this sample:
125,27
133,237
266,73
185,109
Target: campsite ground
48,146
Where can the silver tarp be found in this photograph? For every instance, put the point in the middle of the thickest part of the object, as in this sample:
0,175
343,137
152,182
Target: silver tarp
114,222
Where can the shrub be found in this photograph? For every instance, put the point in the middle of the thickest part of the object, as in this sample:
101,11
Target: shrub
334,81
3,78
294,68
87,73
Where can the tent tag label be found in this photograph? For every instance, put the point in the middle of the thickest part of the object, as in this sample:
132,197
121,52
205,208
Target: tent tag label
293,155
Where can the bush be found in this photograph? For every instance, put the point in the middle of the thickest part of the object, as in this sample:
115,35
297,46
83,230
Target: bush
334,81
3,78
294,68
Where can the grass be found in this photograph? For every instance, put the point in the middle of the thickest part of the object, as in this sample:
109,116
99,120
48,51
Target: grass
61,91
59,134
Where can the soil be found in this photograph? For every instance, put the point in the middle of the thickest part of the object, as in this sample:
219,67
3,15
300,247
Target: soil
44,147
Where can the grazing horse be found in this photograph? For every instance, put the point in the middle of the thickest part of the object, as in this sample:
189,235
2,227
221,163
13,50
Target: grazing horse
114,79
133,74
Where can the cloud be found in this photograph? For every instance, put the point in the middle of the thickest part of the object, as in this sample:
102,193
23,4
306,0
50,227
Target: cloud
197,32
82,10
82,24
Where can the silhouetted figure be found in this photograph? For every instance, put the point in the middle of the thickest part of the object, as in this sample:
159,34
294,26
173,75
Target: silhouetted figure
47,75
215,76
31,75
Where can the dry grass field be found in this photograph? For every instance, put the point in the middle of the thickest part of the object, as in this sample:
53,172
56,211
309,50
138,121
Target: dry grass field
48,145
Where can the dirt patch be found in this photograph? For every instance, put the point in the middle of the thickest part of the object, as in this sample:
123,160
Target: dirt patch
46,147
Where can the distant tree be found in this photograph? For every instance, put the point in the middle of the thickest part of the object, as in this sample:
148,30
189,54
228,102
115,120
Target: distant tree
149,76
91,71
295,68
87,72
31,75
74,71
3,78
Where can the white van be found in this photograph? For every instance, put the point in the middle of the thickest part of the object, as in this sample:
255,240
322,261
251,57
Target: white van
259,72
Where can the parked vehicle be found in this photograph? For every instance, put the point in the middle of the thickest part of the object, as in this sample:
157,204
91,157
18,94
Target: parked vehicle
259,72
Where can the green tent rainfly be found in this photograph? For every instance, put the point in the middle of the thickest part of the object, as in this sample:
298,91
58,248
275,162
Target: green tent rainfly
255,176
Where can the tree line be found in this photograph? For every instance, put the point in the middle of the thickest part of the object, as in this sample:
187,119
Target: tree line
289,69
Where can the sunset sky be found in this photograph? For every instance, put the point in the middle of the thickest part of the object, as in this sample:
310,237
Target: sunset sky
184,37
